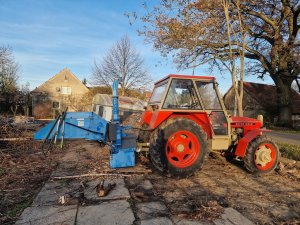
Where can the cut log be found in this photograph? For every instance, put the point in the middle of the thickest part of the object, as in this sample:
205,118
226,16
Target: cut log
104,190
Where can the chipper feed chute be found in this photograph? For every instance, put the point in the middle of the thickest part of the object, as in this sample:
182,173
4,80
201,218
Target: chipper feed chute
75,125
90,126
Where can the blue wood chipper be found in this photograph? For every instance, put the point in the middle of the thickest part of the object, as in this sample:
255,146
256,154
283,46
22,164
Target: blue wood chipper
90,126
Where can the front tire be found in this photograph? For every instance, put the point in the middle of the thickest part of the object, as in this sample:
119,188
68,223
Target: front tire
262,155
178,147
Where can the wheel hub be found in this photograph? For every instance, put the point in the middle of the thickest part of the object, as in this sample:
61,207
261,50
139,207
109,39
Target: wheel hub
263,155
180,148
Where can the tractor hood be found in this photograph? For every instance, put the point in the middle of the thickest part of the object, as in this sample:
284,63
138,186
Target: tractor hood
238,121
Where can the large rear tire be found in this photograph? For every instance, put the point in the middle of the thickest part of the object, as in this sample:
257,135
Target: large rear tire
178,147
262,155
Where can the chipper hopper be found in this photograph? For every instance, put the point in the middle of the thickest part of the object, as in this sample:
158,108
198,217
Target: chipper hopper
185,119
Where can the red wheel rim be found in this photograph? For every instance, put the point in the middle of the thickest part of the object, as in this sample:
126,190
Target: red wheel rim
182,149
265,156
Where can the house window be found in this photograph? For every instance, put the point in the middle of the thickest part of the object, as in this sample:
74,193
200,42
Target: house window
55,105
66,90
40,98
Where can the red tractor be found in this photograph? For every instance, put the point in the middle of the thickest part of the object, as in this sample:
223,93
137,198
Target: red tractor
186,118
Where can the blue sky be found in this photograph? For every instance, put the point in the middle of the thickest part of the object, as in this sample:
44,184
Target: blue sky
49,35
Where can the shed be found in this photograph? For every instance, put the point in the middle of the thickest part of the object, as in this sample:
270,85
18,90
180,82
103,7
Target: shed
102,105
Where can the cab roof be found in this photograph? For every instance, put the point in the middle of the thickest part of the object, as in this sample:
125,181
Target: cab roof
185,77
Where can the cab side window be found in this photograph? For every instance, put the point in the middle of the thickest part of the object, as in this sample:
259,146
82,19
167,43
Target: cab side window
208,95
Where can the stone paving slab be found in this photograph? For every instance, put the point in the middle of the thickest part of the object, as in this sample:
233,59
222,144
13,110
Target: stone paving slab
118,192
180,221
116,212
232,217
50,193
146,185
157,221
147,210
46,215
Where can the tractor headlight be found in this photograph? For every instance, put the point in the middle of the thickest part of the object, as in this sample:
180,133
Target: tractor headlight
261,119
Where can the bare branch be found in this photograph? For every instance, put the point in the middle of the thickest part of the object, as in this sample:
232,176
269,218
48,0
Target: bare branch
261,16
122,61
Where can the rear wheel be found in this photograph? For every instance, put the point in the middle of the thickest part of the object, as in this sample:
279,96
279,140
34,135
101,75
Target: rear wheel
178,147
262,155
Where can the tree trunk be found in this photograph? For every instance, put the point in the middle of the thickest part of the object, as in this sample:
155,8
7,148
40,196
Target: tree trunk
14,109
240,106
284,101
122,91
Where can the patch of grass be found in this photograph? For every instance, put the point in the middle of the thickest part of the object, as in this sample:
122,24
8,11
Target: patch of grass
131,202
19,207
2,171
289,151
285,130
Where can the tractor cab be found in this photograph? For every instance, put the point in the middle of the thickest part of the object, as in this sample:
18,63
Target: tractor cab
191,94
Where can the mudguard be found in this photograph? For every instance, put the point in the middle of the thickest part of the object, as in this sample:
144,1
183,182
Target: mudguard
243,142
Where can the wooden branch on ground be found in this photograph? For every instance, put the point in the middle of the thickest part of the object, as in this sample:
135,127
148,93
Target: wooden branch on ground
91,175
130,171
15,139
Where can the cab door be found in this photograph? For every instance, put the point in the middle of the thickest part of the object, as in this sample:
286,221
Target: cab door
216,113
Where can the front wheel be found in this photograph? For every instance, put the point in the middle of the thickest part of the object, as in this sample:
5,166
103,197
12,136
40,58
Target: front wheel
178,147
262,155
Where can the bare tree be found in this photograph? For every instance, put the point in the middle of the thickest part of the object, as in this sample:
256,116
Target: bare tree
25,99
8,70
8,77
194,32
122,61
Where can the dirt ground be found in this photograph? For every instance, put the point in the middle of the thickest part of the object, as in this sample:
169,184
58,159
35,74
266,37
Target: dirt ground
23,170
22,174
268,199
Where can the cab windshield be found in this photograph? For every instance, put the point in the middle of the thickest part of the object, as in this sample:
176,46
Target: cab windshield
181,95
158,93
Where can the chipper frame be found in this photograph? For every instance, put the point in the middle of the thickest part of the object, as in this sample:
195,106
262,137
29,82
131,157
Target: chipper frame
184,120
90,126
